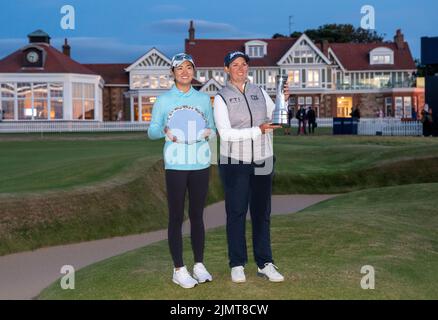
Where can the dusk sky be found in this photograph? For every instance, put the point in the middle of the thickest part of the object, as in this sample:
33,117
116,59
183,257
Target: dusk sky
121,31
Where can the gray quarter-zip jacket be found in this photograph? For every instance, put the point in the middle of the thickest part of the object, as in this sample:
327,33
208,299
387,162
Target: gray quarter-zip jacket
238,117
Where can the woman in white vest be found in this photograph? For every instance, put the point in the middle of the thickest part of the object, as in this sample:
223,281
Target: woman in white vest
243,113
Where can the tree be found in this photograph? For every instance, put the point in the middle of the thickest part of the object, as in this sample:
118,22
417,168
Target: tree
340,33
421,68
278,35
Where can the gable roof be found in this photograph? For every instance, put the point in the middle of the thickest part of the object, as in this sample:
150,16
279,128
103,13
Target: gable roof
210,53
311,44
150,59
112,73
55,62
211,86
356,56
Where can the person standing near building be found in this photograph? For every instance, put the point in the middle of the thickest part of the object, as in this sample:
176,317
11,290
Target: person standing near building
426,120
183,175
301,117
356,113
311,119
290,115
243,112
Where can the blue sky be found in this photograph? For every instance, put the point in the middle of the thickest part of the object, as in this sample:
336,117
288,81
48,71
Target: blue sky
121,31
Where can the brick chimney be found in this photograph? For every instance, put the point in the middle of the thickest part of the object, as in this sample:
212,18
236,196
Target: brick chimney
399,39
191,32
66,49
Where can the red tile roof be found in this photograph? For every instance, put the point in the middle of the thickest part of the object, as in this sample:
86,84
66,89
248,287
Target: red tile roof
209,53
112,73
356,56
56,62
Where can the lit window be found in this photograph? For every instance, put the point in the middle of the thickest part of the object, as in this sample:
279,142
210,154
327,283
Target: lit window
201,76
294,78
83,101
313,78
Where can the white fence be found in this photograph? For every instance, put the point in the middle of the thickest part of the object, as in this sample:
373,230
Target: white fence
370,127
70,126
389,127
322,122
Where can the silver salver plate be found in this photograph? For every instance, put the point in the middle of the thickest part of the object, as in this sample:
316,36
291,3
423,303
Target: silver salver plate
187,124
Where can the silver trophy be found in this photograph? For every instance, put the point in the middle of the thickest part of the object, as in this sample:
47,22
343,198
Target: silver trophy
279,116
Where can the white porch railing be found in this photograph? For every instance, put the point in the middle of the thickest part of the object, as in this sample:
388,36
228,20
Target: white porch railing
71,126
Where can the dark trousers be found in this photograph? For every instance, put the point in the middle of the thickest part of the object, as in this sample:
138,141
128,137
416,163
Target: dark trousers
178,182
301,127
312,125
244,189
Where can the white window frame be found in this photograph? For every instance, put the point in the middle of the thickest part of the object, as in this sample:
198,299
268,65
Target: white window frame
381,55
256,48
295,83
314,83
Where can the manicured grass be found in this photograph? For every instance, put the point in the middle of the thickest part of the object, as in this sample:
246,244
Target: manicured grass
77,160
67,188
320,251
65,161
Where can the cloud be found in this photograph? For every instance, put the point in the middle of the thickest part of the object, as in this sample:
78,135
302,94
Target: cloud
110,50
204,28
166,8
182,25
8,46
95,49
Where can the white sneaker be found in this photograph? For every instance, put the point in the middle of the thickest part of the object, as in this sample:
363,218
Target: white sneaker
201,274
238,274
270,272
183,278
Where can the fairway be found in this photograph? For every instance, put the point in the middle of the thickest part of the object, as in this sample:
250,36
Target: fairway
320,251
67,188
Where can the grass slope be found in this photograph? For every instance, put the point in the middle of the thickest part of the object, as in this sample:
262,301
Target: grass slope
78,187
320,251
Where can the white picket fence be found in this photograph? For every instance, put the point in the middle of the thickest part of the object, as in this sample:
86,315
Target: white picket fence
366,127
71,126
372,127
389,127
322,122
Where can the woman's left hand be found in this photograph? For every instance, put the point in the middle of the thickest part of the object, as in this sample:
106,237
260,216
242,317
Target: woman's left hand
206,134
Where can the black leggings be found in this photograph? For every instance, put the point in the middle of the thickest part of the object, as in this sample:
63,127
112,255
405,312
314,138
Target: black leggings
196,182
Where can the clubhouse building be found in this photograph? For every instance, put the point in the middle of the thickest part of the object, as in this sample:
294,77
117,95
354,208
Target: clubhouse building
40,83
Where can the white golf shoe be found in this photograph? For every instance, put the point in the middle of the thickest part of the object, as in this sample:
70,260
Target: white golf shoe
183,278
201,274
238,274
270,272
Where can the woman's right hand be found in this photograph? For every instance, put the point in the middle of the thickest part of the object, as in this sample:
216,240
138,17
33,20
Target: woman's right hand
268,127
169,135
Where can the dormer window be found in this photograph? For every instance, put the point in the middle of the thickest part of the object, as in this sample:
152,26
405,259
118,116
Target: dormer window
381,56
256,49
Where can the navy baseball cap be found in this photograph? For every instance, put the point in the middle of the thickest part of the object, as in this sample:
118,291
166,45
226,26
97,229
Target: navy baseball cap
233,56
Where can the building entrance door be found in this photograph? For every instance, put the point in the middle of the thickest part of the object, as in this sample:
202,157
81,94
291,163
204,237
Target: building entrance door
344,107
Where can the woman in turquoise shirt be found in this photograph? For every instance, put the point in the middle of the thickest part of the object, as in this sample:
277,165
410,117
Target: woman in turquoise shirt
187,169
